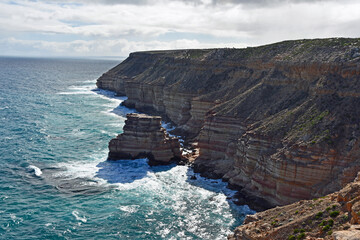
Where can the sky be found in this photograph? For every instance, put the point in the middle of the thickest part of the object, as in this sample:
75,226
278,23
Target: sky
114,28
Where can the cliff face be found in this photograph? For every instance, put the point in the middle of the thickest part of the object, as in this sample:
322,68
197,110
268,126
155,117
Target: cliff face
335,216
280,121
143,136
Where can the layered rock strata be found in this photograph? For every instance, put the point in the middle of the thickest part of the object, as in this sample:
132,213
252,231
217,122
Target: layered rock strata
279,121
335,216
142,137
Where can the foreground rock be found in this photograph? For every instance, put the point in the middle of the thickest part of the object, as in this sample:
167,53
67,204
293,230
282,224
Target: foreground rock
280,121
335,216
143,137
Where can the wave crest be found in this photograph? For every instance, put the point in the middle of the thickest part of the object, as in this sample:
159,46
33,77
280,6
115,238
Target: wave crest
37,171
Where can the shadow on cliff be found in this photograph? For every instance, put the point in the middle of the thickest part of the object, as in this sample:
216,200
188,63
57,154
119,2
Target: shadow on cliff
127,171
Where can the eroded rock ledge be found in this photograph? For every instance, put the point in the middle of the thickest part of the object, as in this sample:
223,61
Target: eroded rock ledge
143,137
333,217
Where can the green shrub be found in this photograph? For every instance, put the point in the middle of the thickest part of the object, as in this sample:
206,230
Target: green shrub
302,230
296,212
323,223
296,231
318,215
328,209
329,232
275,223
334,214
331,222
345,217
291,237
326,228
301,236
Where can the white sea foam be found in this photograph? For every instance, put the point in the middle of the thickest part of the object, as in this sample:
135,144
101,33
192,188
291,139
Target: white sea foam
168,127
77,217
2,108
130,208
170,186
113,105
90,81
81,169
12,216
76,93
37,171
16,219
79,89
4,197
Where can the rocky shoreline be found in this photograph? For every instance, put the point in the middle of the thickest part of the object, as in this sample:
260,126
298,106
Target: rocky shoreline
335,216
144,137
278,122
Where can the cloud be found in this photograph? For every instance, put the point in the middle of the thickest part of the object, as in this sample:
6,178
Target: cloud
120,47
267,2
121,26
194,2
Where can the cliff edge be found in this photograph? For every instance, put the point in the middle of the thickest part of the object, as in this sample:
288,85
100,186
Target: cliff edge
335,216
280,122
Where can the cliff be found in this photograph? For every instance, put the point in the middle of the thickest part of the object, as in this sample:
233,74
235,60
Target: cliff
143,136
280,121
335,216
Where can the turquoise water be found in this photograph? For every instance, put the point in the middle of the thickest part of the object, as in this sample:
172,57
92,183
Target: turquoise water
55,182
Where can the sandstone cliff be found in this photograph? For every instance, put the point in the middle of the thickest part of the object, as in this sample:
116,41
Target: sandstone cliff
279,121
143,136
335,216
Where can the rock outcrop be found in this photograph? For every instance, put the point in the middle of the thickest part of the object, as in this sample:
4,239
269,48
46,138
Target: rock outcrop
335,216
279,121
143,136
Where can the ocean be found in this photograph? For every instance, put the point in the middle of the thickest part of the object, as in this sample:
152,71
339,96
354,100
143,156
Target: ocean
55,182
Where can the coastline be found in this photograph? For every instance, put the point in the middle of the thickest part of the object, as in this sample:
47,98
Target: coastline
276,122
240,198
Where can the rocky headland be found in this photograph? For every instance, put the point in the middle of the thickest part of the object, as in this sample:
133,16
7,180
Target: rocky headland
279,122
143,137
335,216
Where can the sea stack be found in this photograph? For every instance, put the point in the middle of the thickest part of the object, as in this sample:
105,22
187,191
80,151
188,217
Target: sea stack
143,136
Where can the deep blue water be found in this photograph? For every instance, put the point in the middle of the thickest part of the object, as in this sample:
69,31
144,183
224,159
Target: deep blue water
55,182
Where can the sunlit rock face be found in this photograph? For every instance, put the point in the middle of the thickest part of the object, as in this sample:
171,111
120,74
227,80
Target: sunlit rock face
280,121
338,209
143,136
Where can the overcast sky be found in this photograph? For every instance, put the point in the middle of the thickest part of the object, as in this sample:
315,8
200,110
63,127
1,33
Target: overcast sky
118,27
